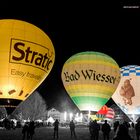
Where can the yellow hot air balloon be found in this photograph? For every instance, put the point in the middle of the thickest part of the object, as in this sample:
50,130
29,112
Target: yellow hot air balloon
127,94
90,79
26,57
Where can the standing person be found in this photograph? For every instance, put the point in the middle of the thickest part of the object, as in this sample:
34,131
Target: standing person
122,133
72,128
95,129
106,130
56,127
24,131
91,129
31,130
137,128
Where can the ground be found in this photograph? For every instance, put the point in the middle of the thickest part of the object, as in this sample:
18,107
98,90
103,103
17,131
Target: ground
44,133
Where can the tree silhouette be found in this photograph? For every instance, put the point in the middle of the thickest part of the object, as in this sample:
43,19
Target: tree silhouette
33,108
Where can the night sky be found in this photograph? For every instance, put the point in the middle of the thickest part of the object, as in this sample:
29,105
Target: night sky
76,27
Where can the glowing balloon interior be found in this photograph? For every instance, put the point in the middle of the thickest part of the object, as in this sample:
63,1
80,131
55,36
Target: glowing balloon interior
26,56
90,79
127,95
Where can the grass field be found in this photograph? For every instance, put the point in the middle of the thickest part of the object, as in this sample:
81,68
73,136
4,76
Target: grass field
44,133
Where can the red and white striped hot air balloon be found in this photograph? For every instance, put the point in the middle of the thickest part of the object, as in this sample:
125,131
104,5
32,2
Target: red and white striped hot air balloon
110,113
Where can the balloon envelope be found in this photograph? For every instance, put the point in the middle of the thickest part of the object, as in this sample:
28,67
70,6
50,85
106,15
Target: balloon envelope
26,57
127,94
90,79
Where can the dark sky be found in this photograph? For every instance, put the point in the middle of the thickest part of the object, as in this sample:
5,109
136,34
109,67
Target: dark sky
85,26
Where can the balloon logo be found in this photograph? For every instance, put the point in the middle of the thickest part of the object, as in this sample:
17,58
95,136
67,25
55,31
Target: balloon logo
127,95
90,79
26,56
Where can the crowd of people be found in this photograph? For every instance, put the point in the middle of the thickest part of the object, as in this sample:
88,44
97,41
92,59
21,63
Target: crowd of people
120,130
94,129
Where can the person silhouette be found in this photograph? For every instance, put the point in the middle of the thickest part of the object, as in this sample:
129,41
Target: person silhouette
31,130
91,128
72,128
106,130
56,127
25,131
95,129
122,133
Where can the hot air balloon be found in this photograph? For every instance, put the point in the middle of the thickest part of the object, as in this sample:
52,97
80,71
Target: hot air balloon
102,112
110,114
127,94
90,78
26,58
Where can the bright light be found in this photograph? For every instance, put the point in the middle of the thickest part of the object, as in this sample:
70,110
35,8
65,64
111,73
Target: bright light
50,119
39,121
89,115
71,115
133,116
77,117
65,116
81,117
77,114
